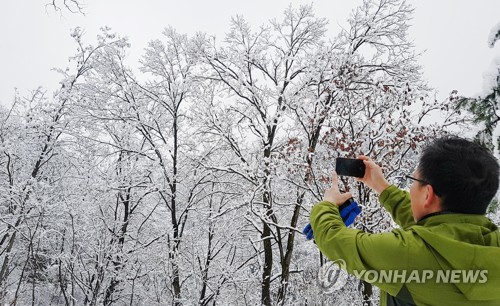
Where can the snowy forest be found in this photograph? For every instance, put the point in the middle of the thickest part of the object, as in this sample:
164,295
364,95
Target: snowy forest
186,178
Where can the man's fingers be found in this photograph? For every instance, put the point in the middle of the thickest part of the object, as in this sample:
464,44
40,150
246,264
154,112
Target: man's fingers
335,180
370,164
367,161
347,196
363,157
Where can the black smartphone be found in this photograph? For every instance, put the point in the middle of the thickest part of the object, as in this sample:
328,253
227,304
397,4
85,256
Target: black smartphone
350,167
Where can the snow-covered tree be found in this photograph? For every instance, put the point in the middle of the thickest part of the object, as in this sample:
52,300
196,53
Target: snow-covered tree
34,164
485,108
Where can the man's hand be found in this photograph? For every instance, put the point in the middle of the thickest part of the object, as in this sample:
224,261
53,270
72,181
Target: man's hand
349,210
374,177
333,194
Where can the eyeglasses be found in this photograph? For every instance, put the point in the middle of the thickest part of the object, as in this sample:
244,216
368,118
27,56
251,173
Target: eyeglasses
410,179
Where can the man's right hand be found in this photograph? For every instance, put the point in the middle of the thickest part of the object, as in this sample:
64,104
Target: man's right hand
374,177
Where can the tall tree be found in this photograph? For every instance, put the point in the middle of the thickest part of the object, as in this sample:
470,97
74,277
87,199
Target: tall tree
264,71
31,155
485,108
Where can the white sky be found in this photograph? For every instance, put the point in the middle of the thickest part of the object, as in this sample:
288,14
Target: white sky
34,39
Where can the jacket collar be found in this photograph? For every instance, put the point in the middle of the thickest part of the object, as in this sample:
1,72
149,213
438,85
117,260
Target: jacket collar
435,214
453,217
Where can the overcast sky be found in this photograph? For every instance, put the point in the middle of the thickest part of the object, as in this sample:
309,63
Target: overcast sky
34,39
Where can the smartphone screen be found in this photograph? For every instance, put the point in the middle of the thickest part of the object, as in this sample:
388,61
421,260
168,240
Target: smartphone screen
350,167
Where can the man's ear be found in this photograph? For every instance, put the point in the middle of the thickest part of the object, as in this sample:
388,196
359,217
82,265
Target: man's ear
430,198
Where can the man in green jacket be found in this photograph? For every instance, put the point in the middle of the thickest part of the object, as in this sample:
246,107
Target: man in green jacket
446,251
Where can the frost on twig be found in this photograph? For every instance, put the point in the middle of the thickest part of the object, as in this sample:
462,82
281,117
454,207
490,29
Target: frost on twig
73,6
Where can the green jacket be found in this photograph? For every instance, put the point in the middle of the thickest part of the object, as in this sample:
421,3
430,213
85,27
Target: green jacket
445,259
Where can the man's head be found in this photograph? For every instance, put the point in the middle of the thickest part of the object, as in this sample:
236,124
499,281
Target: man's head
462,174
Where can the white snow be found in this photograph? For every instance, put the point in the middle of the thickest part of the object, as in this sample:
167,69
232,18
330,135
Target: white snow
490,76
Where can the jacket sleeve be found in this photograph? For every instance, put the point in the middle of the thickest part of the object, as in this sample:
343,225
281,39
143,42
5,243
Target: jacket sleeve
360,252
397,202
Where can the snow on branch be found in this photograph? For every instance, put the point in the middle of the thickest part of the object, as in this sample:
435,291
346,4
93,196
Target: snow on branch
494,35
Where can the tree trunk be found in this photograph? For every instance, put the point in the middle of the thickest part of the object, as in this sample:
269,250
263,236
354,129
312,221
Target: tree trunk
367,293
266,231
268,265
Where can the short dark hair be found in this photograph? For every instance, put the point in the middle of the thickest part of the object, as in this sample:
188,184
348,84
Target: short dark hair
463,174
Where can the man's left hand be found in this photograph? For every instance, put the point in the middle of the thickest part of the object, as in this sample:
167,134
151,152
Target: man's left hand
333,194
